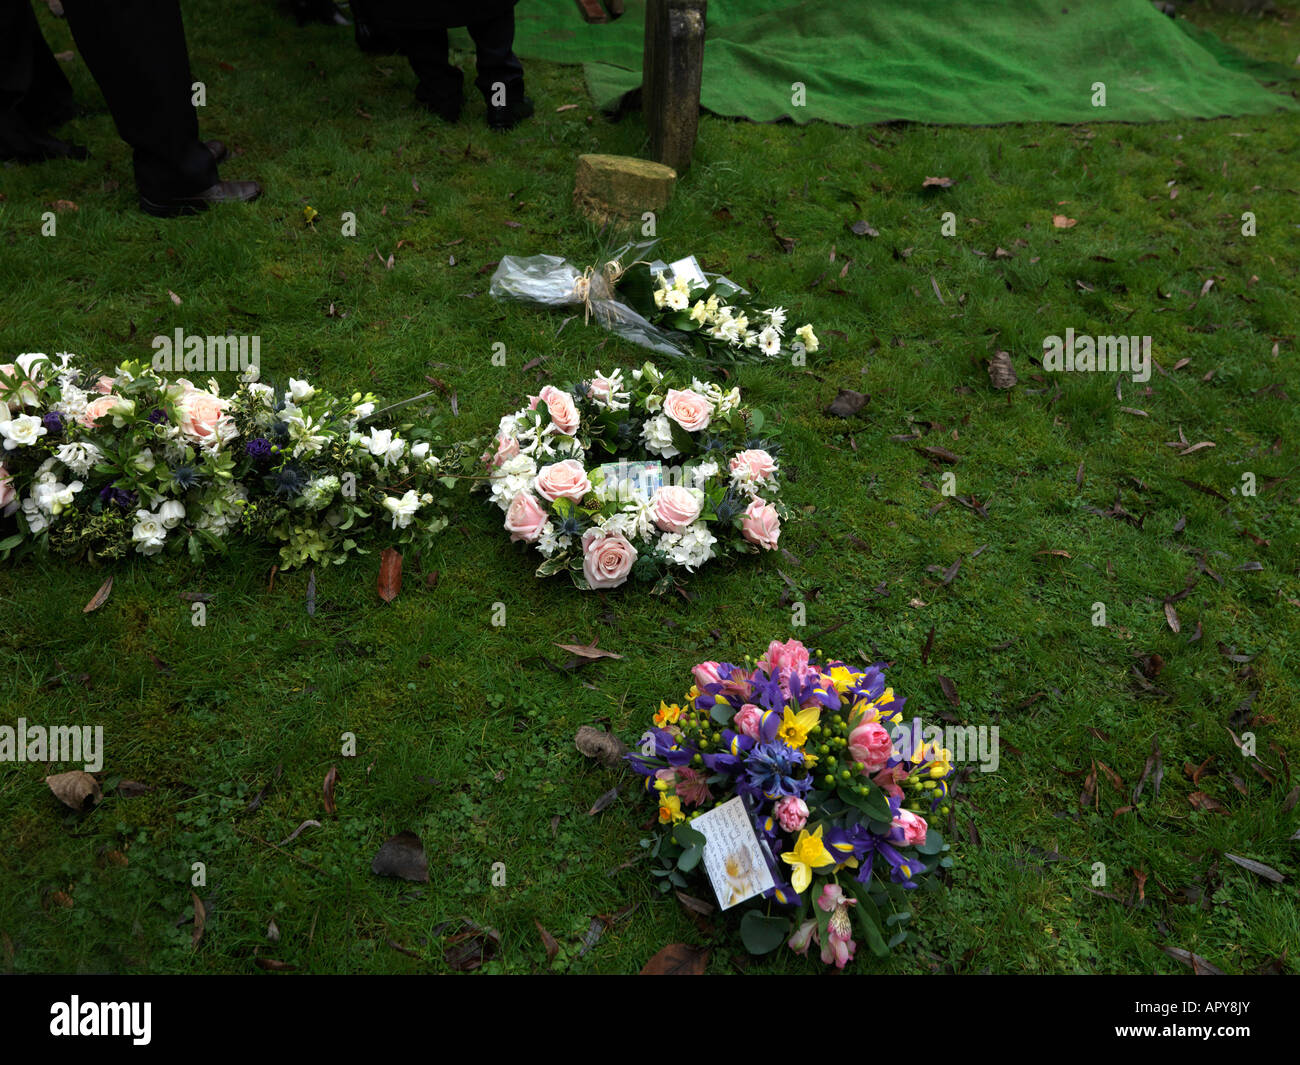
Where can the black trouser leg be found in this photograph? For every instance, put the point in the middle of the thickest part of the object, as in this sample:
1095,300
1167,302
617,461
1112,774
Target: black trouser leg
34,94
439,81
136,51
497,63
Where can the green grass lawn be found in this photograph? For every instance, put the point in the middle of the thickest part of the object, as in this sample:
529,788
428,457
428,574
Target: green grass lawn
464,730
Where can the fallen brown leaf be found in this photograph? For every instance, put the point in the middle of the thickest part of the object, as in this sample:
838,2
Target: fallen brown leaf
390,574
677,959
99,598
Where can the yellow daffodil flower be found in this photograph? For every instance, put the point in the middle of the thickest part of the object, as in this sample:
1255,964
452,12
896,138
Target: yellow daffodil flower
808,853
843,679
667,715
795,727
670,809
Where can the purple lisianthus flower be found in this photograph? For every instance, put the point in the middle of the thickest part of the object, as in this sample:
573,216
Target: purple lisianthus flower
258,448
53,422
118,497
158,416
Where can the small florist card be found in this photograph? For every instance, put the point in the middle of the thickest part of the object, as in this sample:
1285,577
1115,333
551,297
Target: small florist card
688,268
633,480
732,855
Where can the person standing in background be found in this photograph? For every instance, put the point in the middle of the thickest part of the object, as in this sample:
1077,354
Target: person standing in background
136,52
418,30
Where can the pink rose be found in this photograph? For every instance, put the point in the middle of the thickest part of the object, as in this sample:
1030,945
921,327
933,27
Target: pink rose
606,560
791,655
567,480
96,409
525,518
761,525
6,488
688,409
706,673
507,448
792,812
871,744
912,827
755,463
560,404
200,413
748,720
104,386
675,507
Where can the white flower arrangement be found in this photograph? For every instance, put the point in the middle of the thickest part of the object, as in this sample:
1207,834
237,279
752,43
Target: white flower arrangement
629,516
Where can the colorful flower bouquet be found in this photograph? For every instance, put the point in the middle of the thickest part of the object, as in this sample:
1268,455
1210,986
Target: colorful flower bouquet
580,475
825,791
106,465
674,309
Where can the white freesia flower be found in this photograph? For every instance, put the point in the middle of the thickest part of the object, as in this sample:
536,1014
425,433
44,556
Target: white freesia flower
79,457
306,437
403,509
37,521
379,442
61,498
22,431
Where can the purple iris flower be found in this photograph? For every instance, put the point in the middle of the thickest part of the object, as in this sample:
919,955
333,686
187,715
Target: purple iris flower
731,758
664,749
805,688
857,842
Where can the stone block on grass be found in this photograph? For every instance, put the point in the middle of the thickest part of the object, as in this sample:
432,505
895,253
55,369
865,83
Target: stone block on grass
620,188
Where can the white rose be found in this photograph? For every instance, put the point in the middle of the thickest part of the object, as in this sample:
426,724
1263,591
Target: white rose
148,533
300,391
171,513
22,431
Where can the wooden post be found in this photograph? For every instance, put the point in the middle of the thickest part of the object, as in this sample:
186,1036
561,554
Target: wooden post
673,66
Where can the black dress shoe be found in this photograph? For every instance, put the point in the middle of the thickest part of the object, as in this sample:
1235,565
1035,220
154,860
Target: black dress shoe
508,117
446,107
323,11
218,149
221,192
21,141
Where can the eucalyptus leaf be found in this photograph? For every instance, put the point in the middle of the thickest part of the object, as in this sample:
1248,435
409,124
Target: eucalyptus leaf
762,934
